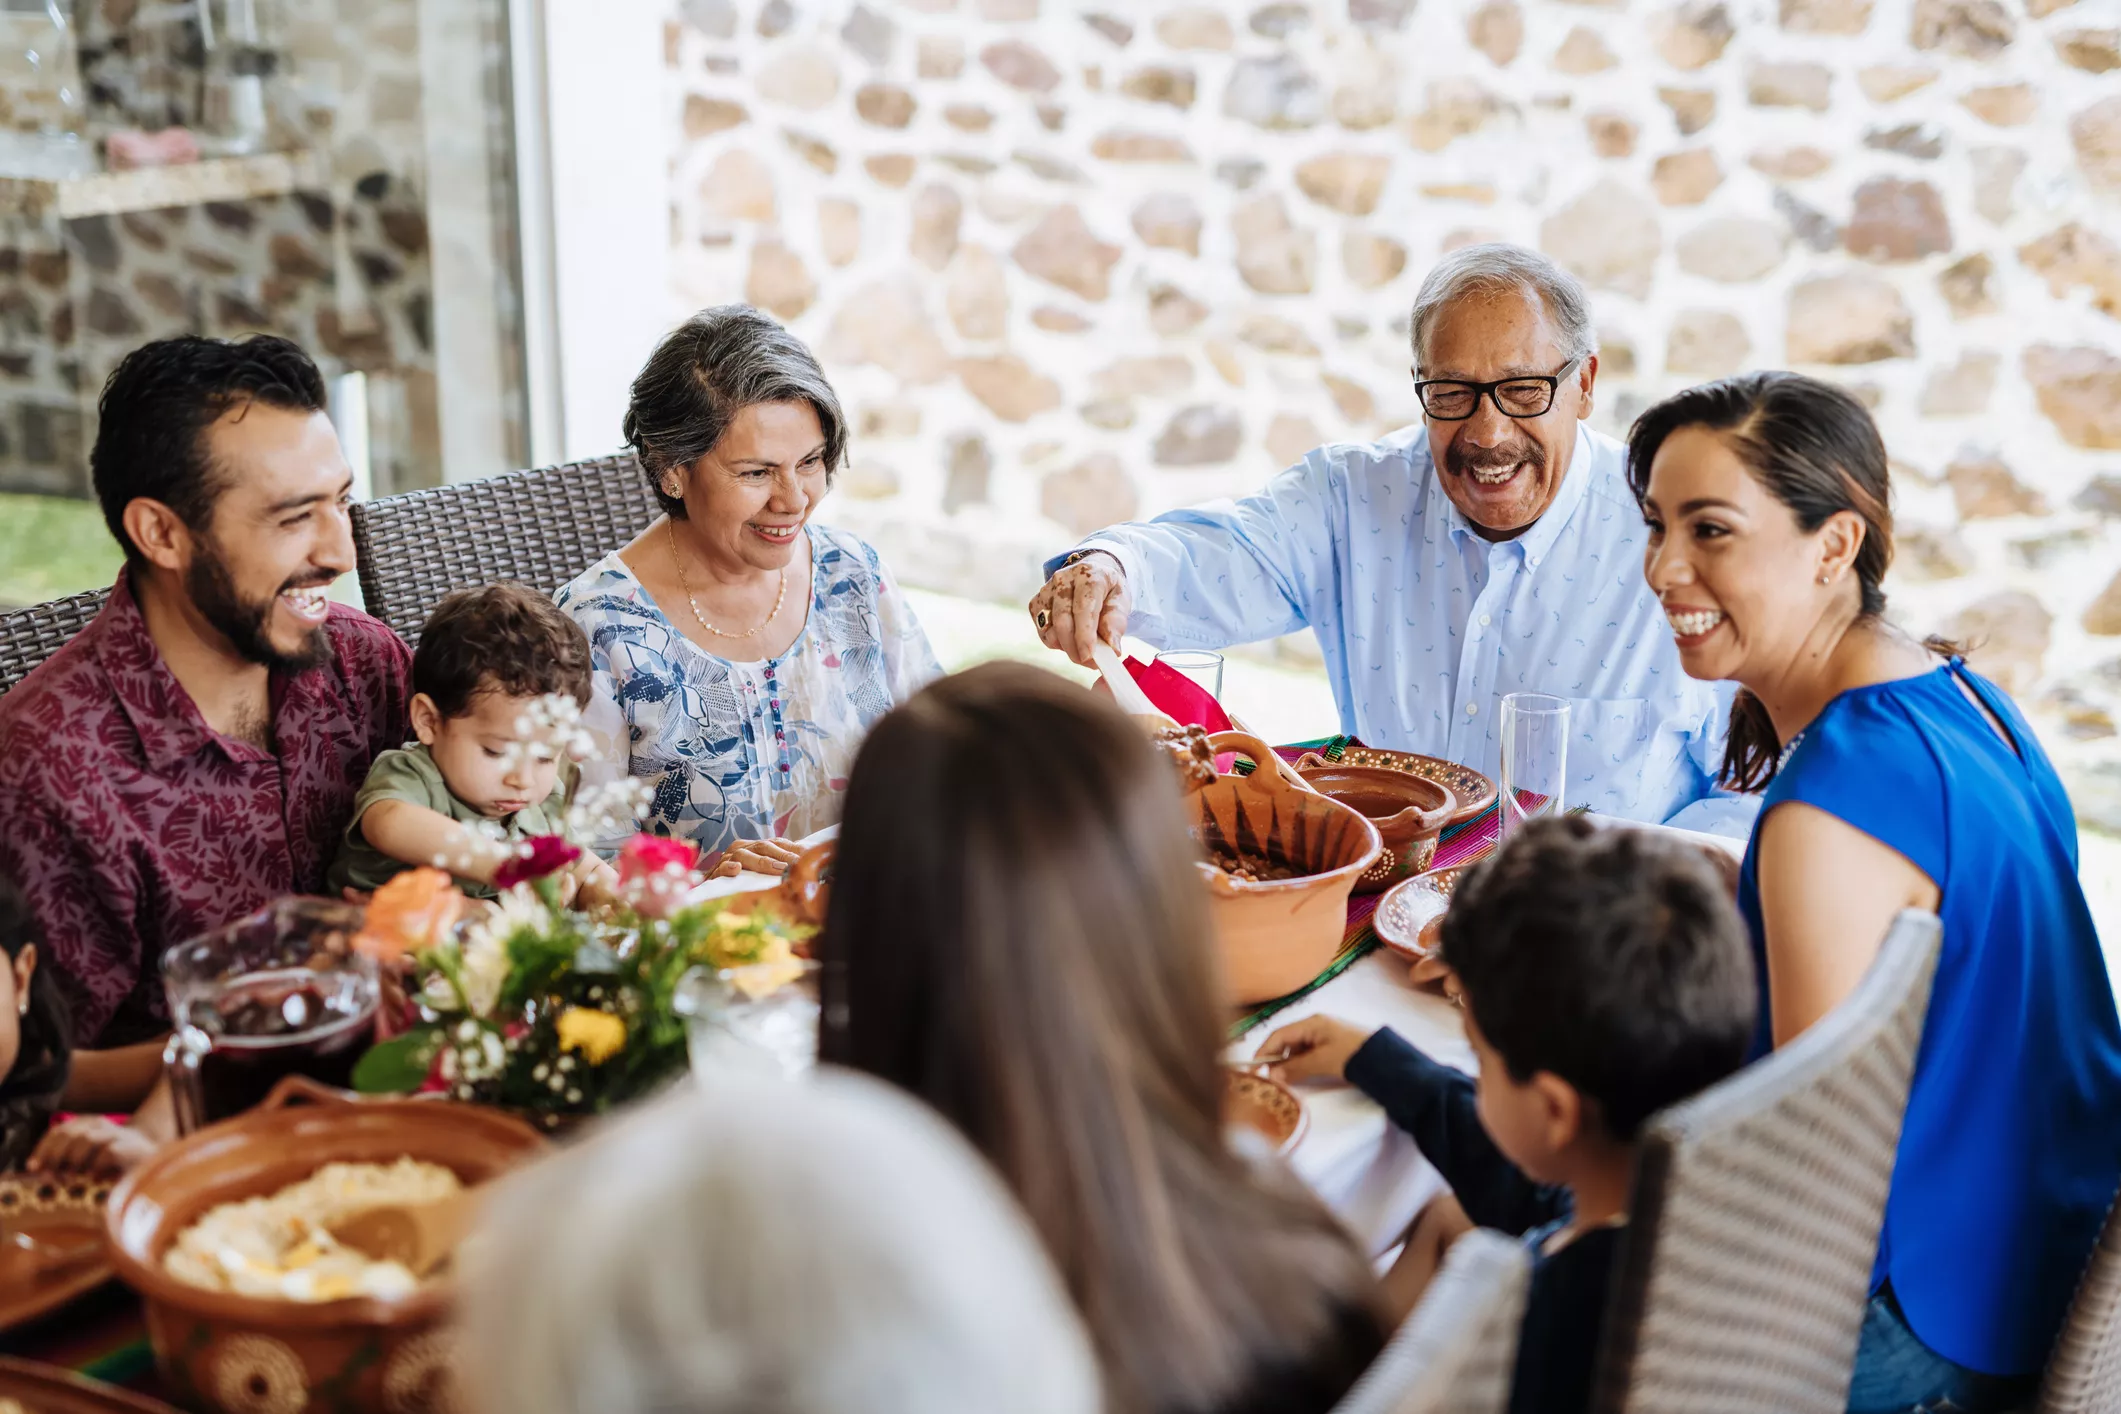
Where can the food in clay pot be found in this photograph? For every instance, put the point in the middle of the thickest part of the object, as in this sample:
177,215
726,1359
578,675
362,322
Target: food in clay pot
1278,860
1190,755
282,1245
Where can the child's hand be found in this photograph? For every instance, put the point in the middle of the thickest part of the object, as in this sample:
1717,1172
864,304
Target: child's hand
1318,1047
93,1145
599,885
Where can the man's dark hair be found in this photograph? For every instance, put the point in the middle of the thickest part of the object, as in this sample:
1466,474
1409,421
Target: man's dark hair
499,638
1613,958
158,403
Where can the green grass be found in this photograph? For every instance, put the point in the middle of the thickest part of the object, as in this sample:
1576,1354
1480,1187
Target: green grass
52,545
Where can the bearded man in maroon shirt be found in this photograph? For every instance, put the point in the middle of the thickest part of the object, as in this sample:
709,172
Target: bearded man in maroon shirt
194,752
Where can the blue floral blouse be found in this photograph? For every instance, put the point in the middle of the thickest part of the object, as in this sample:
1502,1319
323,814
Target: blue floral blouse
743,751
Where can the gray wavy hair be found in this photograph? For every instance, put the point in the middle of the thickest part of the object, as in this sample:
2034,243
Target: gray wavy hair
769,1249
1498,268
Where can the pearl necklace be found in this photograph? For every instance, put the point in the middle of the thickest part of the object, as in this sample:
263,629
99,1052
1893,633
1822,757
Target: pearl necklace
771,614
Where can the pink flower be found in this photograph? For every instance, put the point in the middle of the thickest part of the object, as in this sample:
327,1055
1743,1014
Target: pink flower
546,854
655,873
646,855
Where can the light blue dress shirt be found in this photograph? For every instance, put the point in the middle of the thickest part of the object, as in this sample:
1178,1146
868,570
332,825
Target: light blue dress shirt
1425,625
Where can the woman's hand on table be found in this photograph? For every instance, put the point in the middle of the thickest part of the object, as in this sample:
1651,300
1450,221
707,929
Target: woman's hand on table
1316,1048
758,857
92,1145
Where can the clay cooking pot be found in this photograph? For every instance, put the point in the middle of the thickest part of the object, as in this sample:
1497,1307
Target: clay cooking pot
1408,811
224,1352
1279,934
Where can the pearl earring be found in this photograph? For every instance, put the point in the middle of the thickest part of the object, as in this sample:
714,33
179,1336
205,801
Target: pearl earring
1826,579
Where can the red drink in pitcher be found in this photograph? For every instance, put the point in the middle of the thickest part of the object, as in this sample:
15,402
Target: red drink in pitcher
281,992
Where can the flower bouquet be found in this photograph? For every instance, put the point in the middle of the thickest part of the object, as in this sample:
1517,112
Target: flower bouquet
557,1012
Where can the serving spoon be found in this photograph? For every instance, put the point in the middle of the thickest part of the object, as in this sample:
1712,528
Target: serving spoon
417,1236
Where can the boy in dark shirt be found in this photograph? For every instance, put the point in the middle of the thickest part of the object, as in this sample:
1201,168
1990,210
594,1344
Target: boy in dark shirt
1605,975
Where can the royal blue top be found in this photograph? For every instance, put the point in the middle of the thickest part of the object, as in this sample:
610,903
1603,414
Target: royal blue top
2011,1149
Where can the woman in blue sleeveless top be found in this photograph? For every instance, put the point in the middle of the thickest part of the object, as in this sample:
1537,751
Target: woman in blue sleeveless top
1895,778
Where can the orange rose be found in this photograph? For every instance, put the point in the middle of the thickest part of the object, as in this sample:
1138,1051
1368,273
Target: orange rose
411,913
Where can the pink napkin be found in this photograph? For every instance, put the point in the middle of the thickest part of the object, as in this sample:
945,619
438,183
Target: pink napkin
1183,700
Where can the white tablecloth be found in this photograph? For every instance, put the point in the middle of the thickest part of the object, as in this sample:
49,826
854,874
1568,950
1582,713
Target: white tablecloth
1367,1171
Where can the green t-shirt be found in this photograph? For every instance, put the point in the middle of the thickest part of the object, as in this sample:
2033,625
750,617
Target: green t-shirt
410,774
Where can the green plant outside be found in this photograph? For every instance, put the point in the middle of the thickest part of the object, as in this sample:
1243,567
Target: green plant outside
52,546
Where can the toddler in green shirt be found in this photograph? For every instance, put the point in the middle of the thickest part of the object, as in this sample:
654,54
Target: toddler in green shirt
480,781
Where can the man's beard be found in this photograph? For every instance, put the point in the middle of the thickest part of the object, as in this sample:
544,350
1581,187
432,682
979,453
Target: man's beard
1462,461
244,622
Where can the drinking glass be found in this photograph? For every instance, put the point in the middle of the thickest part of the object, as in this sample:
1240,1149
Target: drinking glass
280,992
1205,669
731,1034
1535,757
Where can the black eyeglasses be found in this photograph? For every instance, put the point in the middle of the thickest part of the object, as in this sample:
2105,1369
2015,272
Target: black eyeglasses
1450,400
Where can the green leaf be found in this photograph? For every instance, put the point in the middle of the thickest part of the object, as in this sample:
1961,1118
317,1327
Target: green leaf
397,1066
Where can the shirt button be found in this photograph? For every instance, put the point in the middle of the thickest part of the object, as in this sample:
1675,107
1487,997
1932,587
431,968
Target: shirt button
1485,621
1471,708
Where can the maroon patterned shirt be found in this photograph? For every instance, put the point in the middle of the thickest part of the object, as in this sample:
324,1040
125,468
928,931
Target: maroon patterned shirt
132,825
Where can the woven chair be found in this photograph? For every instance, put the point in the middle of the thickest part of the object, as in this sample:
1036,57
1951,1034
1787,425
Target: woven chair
541,528
2084,1374
29,636
1457,1351
1742,1282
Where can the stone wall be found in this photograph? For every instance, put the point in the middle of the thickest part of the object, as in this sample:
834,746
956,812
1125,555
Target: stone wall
1070,263
342,267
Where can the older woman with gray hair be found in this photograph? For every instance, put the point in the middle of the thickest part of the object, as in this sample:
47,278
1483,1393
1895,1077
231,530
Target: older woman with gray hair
1494,547
740,651
775,1249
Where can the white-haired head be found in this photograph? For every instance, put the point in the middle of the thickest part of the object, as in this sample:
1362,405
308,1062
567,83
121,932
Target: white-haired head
776,1249
1499,268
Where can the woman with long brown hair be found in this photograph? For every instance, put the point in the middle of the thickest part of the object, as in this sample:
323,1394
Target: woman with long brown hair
1017,935
1895,777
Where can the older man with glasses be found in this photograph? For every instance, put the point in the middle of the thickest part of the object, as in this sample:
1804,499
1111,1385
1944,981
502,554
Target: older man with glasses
1494,549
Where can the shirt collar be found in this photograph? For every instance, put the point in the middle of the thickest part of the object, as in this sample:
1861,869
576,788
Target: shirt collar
1538,540
168,723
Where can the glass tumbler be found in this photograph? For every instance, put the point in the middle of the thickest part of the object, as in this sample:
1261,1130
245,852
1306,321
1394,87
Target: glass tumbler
1535,757
730,1033
1203,668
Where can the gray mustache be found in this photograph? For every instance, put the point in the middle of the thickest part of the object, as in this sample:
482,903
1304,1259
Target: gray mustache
1459,461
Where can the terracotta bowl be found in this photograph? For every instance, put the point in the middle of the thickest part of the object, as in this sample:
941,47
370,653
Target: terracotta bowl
1408,811
1268,1108
236,1354
1279,934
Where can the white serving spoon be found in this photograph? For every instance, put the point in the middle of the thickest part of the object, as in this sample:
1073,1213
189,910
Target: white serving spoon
1125,690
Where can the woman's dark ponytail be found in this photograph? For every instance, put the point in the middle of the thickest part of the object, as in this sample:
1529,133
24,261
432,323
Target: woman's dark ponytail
1815,449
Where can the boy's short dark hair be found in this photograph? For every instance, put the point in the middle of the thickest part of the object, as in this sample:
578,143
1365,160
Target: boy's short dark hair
499,638
157,404
1613,958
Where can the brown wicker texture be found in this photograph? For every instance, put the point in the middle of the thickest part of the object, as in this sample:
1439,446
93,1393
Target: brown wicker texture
1456,1353
1742,1282
540,528
2084,1375
29,636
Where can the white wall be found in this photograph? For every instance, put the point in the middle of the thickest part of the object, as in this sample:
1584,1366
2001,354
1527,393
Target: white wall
610,142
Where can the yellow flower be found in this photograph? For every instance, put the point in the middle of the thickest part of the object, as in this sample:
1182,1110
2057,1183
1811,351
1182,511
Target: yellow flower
598,1035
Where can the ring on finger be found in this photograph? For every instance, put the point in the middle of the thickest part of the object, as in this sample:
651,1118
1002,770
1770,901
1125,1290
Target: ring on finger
1044,620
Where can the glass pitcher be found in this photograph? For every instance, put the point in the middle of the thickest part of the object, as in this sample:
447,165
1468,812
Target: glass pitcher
280,992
